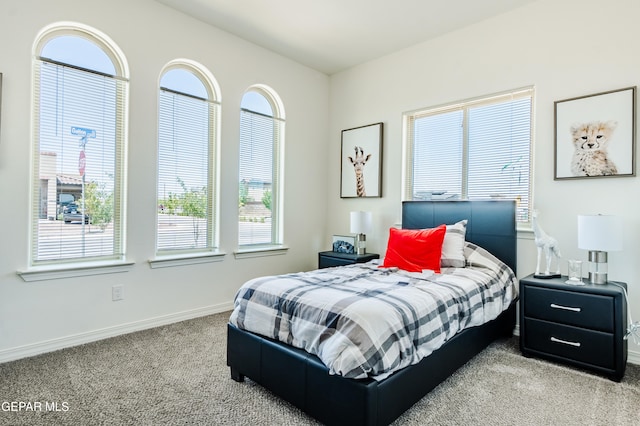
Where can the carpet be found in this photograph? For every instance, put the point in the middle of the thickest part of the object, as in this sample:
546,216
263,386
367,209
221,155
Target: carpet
177,375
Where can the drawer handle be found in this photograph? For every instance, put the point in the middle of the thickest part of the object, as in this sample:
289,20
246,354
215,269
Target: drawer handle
566,308
565,342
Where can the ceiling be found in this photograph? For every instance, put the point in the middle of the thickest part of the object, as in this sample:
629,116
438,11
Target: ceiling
333,35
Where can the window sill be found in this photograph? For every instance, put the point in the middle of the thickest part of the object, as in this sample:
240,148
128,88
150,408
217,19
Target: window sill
51,272
524,231
186,259
246,253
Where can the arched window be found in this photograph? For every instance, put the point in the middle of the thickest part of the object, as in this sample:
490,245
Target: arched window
79,109
187,133
260,176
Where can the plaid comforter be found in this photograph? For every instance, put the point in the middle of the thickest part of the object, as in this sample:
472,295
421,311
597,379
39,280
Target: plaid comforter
365,321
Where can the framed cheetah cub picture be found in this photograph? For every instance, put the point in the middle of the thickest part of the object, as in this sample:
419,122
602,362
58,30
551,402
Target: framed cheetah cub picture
595,135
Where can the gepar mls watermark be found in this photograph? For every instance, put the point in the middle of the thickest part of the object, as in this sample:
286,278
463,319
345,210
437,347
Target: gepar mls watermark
26,406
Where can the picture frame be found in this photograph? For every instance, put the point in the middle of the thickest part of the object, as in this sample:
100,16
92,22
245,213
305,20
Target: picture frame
361,162
595,135
344,244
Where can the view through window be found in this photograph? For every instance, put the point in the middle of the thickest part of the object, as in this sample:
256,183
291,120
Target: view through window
260,134
79,146
186,133
478,149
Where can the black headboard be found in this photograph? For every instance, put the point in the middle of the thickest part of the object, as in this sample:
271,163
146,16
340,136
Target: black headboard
491,223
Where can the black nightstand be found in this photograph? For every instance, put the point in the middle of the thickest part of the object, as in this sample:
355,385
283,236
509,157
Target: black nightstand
327,259
580,325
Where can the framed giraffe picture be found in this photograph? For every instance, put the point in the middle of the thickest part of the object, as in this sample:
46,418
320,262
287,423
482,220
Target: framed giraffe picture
361,162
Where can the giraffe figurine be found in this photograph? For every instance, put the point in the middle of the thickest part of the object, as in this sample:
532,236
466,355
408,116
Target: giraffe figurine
358,164
549,246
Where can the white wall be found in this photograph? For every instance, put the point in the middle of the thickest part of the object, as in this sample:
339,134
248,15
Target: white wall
48,314
565,48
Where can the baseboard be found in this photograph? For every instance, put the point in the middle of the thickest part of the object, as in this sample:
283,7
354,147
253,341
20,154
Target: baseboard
25,351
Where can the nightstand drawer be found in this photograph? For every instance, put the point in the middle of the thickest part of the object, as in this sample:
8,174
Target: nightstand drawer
329,262
573,343
580,309
329,259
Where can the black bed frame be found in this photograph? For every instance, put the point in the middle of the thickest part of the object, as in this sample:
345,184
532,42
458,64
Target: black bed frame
303,380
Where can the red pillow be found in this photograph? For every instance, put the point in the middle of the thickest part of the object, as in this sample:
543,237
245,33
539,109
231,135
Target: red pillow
415,249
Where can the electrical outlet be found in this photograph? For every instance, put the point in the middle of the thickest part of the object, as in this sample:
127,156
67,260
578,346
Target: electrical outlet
117,292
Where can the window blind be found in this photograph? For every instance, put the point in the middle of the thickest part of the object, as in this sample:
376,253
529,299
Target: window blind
472,150
259,170
78,163
185,154
437,155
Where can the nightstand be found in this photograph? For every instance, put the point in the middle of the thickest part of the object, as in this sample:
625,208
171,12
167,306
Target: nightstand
579,325
327,259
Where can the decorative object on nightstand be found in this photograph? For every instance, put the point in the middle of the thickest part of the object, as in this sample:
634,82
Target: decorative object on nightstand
574,272
599,234
549,246
579,325
361,225
328,259
344,244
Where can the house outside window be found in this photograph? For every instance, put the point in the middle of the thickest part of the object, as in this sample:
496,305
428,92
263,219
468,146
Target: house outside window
260,169
80,82
474,149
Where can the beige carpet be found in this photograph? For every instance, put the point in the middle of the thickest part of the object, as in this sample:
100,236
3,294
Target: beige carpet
177,375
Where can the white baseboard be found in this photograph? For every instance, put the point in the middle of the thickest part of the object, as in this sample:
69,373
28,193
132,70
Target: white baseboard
92,336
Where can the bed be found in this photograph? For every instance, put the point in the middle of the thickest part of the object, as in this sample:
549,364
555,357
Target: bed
305,381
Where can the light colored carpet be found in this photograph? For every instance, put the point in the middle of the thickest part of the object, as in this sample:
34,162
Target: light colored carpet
177,375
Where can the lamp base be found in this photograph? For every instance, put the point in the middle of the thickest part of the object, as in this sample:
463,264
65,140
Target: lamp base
361,244
598,267
597,278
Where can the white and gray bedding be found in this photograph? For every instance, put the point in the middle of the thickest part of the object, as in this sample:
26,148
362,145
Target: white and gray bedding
365,321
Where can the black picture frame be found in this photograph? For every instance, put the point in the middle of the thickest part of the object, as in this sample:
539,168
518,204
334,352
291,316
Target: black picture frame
581,123
361,162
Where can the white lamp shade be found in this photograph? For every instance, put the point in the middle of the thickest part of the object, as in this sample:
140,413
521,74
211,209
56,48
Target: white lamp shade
361,222
599,232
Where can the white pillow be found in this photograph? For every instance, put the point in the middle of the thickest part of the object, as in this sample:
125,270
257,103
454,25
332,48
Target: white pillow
479,257
453,245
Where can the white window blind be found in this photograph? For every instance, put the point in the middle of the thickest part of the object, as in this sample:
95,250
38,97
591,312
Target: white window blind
78,163
186,210
259,172
472,150
437,154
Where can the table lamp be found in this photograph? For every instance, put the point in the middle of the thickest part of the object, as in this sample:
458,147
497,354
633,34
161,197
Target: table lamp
599,234
360,225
